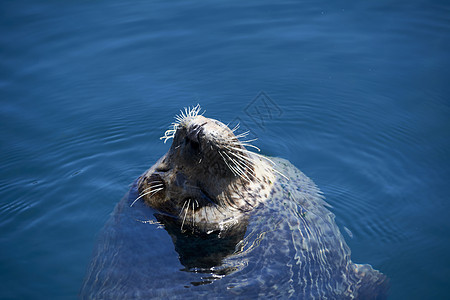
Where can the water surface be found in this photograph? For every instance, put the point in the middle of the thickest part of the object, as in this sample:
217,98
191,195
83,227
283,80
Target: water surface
355,95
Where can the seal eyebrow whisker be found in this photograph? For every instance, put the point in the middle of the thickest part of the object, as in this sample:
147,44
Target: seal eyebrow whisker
194,111
180,120
170,133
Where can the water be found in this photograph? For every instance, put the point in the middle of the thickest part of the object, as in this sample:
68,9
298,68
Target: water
358,95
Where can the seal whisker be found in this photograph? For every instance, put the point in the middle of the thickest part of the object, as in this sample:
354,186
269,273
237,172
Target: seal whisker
259,155
243,134
152,192
245,169
246,161
194,110
244,158
180,120
235,170
237,167
262,157
149,189
153,186
246,165
181,211
193,221
241,156
170,133
185,213
250,145
278,172
226,162
235,127
239,142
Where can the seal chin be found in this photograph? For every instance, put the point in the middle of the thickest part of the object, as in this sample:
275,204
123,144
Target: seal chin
207,177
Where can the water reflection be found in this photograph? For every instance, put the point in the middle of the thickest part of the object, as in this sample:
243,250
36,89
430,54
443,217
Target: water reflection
201,252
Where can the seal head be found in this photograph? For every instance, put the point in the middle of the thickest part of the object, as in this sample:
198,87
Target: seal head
207,180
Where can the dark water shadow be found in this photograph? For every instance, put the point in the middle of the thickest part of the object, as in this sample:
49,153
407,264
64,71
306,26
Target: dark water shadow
201,252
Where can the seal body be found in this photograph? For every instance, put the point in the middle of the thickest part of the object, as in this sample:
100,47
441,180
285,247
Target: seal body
238,225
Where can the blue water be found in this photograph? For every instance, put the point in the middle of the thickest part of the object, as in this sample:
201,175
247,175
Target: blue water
355,94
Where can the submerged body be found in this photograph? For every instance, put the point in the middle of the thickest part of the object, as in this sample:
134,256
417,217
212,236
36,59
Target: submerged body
242,225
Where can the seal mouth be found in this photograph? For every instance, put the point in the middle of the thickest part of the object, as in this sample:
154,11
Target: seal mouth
198,194
207,197
182,190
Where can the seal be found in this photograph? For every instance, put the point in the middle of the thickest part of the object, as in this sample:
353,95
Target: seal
239,225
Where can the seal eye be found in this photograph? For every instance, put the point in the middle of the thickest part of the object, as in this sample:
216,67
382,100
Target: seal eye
162,168
193,142
195,145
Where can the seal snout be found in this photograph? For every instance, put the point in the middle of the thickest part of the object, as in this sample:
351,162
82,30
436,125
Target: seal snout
206,173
